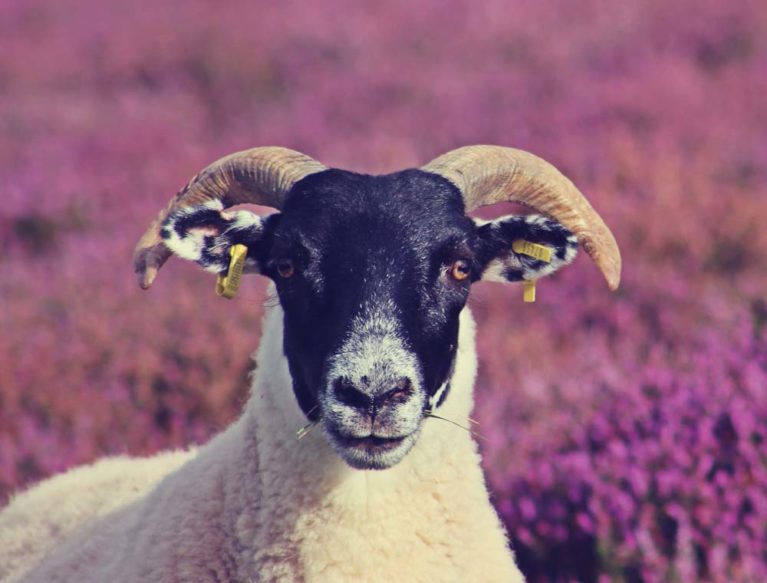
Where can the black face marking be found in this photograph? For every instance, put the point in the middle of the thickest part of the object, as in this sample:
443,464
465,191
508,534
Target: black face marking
358,242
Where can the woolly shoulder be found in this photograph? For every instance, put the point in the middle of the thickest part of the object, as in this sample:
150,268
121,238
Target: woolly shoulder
40,518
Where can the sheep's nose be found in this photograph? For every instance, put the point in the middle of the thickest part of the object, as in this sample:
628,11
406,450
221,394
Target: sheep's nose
371,398
350,394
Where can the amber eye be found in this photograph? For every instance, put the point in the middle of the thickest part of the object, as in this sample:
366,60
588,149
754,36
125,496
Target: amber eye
460,270
285,268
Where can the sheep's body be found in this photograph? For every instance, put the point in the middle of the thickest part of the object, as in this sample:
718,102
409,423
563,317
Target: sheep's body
45,516
256,504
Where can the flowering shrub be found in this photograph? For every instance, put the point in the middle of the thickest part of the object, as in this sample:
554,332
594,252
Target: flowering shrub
661,478
624,433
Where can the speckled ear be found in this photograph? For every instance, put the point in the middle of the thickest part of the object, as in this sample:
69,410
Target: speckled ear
503,260
204,234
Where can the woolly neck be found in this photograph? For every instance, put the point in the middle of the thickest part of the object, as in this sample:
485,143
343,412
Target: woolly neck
302,513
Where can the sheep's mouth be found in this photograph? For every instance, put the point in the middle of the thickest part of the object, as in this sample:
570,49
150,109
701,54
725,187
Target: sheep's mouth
371,443
371,452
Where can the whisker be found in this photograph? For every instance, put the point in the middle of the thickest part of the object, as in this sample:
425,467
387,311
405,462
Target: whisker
313,409
474,433
304,431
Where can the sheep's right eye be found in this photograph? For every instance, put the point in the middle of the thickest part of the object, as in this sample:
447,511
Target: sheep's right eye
460,270
285,268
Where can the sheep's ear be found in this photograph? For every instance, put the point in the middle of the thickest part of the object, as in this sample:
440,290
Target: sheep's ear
205,233
503,256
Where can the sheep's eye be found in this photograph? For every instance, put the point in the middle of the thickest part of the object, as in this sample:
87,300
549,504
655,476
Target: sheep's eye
460,270
285,268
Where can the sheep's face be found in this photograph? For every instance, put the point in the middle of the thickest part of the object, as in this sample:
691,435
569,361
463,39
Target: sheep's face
372,274
364,268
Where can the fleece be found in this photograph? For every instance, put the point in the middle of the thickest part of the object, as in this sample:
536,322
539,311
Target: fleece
258,504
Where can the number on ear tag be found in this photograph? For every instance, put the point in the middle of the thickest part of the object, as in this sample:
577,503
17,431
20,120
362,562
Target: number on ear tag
534,250
227,285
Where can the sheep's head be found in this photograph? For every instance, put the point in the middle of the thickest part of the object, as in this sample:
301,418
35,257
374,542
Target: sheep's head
372,271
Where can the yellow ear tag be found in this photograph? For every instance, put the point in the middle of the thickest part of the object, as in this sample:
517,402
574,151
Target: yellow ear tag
227,285
534,250
528,291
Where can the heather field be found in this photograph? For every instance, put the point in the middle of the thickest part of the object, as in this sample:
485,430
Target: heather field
624,434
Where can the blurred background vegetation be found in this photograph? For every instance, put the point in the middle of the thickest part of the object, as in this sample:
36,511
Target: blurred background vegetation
624,433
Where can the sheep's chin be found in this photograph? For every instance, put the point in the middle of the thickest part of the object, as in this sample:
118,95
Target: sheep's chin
371,453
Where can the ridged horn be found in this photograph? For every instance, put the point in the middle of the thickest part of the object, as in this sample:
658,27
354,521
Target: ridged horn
491,174
260,176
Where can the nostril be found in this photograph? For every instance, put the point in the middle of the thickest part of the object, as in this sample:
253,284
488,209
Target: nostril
404,384
400,393
347,393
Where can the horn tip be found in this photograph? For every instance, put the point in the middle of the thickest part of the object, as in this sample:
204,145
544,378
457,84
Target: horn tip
612,272
145,273
603,250
147,262
146,279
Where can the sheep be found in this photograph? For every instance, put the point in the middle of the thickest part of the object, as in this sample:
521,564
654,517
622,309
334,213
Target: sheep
369,343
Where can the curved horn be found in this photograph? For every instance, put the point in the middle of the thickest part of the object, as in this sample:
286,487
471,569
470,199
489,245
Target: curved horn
261,176
491,174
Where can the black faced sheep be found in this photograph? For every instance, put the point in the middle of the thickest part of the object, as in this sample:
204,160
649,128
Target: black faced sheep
370,339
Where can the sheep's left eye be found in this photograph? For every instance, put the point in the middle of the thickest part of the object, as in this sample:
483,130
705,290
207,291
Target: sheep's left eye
460,270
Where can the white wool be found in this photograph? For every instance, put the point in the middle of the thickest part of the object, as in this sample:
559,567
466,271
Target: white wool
257,504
